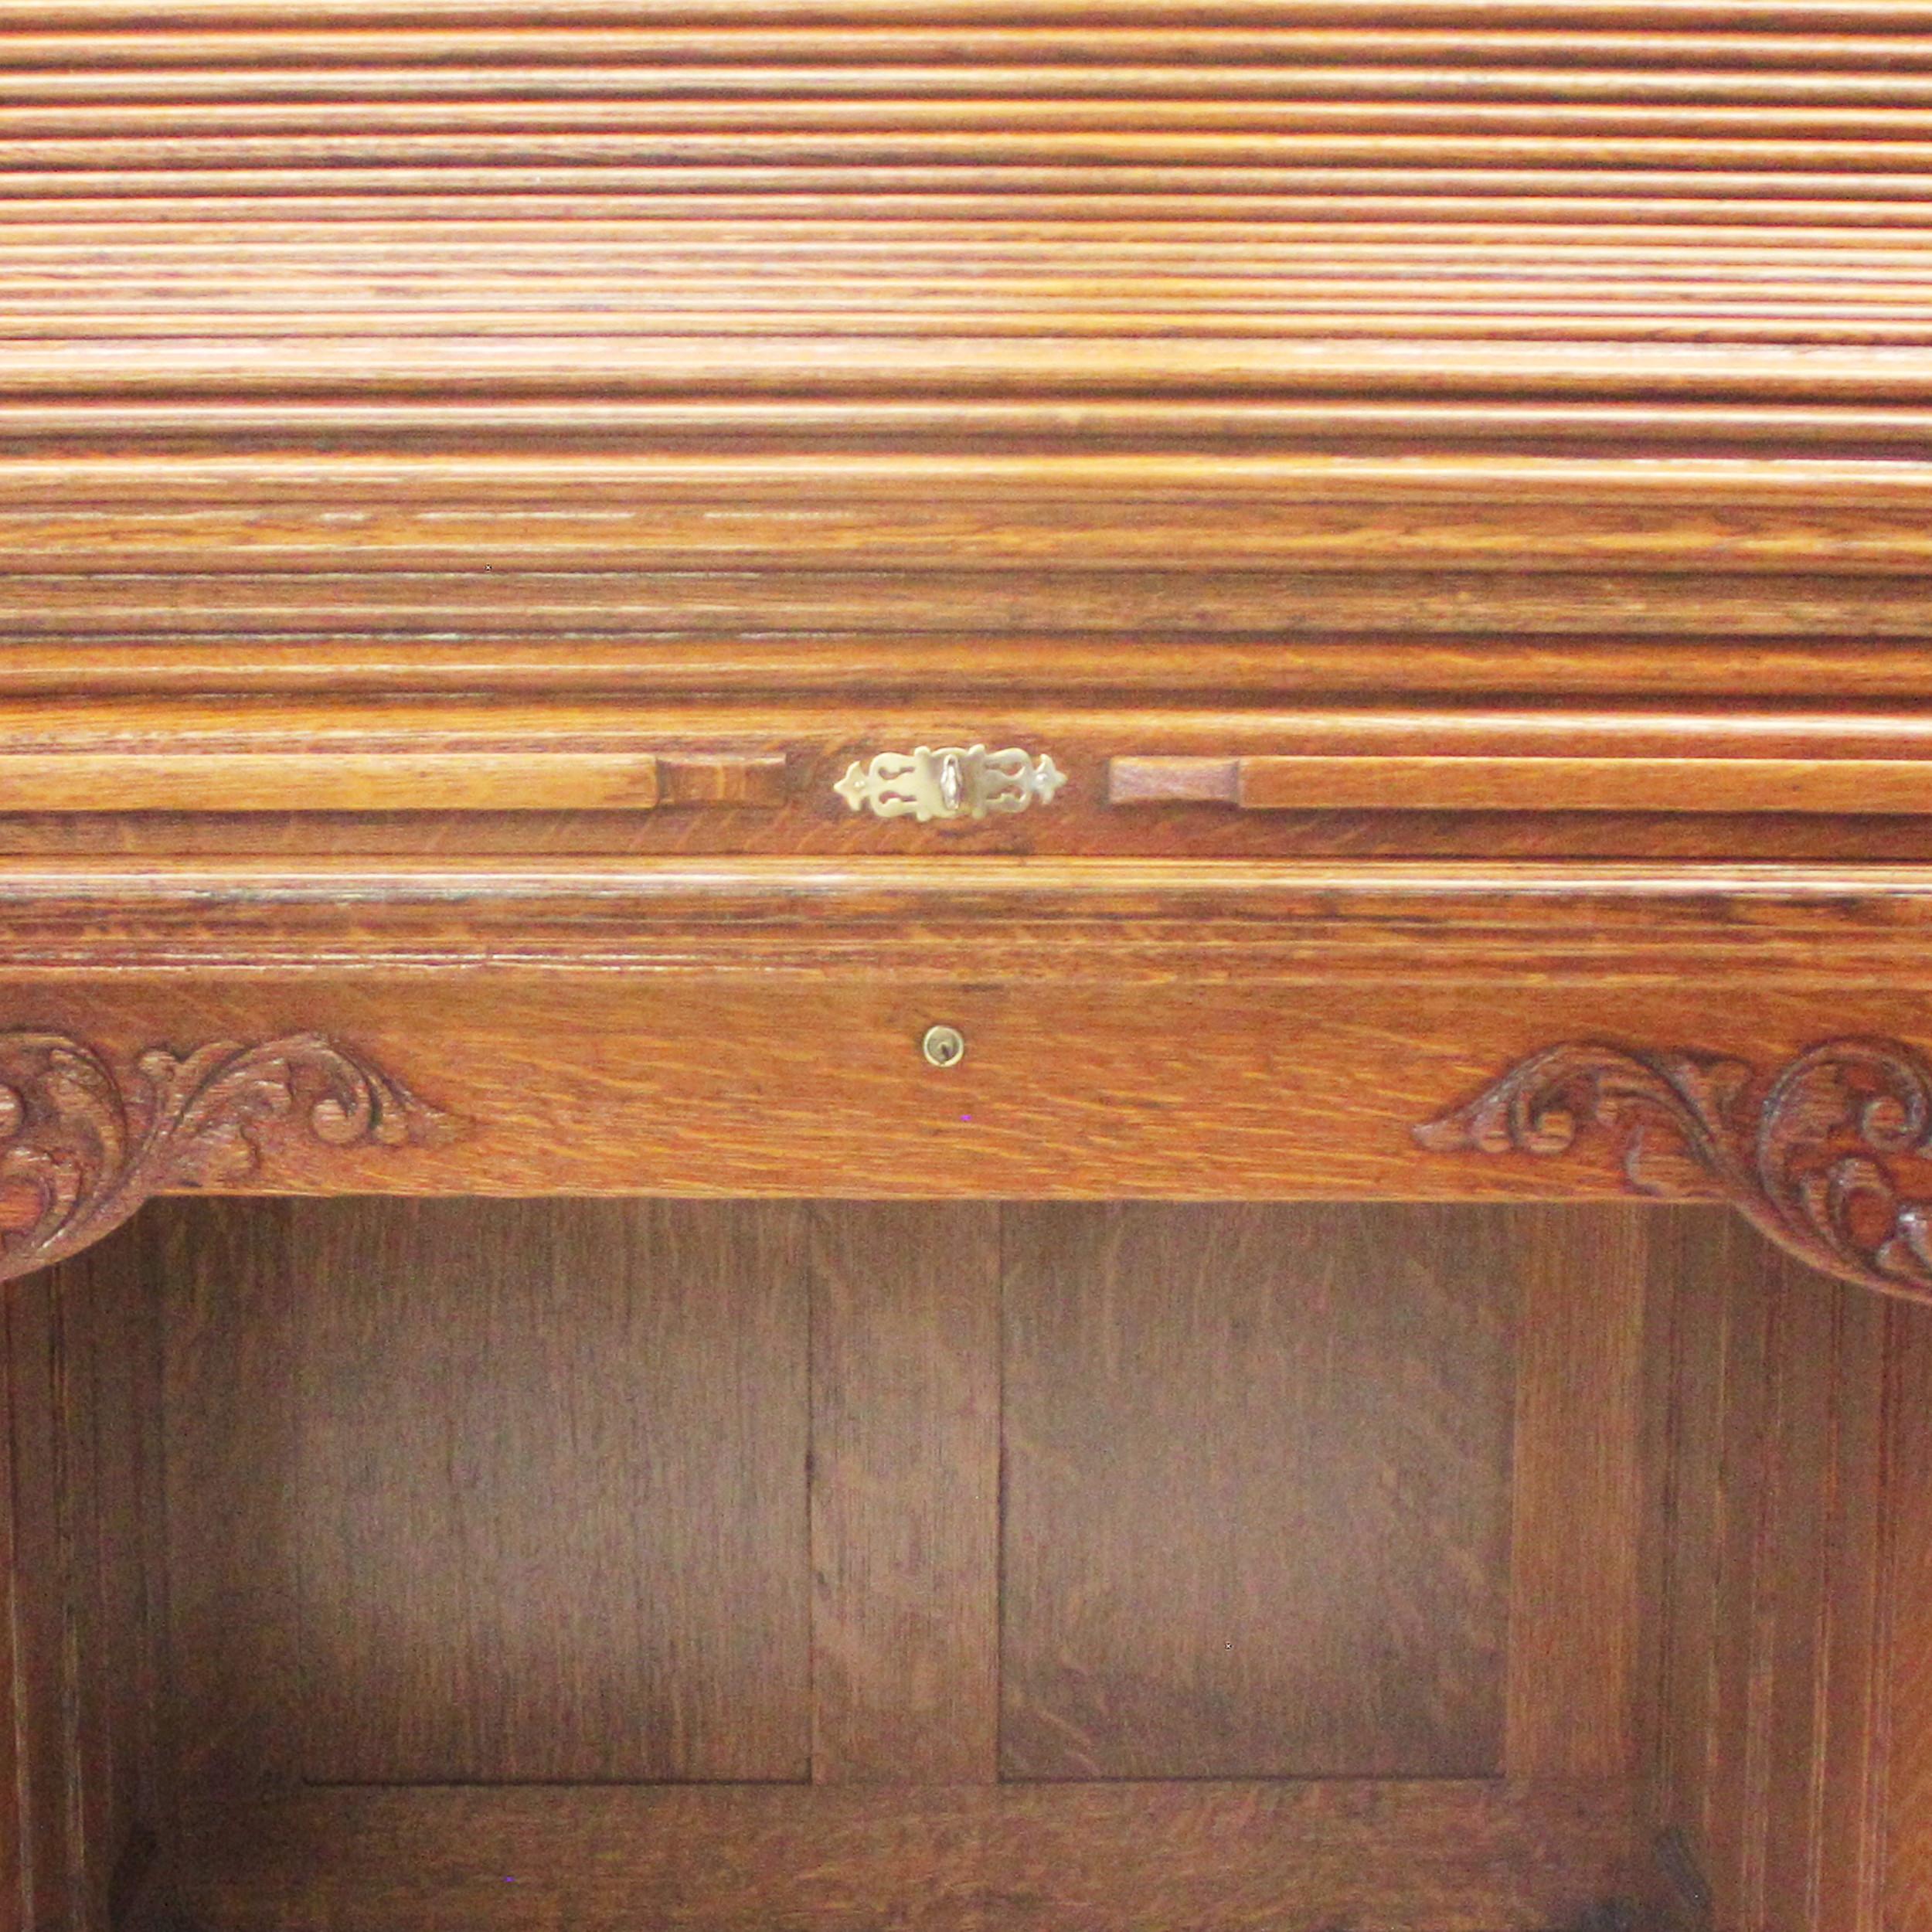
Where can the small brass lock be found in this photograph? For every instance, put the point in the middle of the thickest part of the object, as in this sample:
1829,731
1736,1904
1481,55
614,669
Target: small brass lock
944,1046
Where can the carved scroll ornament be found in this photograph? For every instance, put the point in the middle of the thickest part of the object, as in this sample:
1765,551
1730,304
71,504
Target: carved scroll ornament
83,1142
1831,1156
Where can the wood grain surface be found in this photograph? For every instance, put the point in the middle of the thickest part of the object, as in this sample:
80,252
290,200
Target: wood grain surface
516,1564
472,475
1276,352
1257,1518
1438,1856
908,1379
87,1773
1788,1503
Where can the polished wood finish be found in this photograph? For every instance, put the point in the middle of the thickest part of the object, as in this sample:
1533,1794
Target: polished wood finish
492,1628
1256,1515
88,1791
442,1492
907,1380
1444,480
1414,1858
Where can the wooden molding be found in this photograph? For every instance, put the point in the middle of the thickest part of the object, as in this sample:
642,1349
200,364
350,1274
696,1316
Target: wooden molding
86,1140
1831,1156
1674,785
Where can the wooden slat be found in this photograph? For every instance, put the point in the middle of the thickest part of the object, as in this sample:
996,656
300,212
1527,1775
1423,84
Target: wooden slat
233,1714
83,1757
390,781
45,1720
1905,1669
1778,1587
1637,783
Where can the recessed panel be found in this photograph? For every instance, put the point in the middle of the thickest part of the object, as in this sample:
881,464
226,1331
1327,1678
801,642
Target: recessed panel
551,1491
1257,1491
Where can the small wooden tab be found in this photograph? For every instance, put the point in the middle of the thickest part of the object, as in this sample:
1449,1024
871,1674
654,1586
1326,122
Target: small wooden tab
1173,781
721,779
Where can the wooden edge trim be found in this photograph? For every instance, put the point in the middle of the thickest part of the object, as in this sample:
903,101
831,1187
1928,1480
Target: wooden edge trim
354,780
1827,786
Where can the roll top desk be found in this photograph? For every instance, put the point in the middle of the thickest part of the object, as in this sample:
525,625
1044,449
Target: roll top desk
966,968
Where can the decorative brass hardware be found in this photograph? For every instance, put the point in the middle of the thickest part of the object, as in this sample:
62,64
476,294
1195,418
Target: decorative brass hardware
944,1046
949,783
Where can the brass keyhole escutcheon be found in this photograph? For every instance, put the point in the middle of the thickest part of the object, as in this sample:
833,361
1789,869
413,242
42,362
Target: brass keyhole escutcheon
944,1046
954,782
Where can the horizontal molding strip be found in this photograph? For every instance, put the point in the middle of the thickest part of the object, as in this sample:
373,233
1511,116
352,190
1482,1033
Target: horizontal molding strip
393,780
590,360
1843,16
1817,787
966,665
1472,605
618,53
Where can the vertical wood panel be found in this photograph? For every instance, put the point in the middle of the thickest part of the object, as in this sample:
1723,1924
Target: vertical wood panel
1768,1758
82,1749
15,1900
1734,1817
1849,1784
906,1378
48,1741
1699,1253
78,1289
554,1504
1578,1491
230,1474
1256,1500
123,1401
1907,1683
1798,1499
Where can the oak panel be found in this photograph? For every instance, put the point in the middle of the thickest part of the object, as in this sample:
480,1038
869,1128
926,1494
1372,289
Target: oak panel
1257,1499
551,1509
1578,1497
84,1767
1784,1690
231,1471
1905,1679
1438,1857
905,1462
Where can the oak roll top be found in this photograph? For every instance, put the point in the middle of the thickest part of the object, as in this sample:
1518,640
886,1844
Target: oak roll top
1402,431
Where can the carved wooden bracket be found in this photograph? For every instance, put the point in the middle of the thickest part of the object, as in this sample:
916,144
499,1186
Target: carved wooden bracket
82,1143
1830,1155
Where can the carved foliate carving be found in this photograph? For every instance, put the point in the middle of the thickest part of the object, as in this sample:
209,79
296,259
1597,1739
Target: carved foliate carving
83,1142
1830,1155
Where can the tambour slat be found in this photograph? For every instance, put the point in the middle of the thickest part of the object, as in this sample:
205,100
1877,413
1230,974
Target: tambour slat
1482,320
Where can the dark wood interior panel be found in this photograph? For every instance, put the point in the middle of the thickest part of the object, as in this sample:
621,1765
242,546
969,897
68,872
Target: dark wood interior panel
1439,1856
905,1458
1579,1499
552,1493
1896,1814
1257,1506
1774,1513
84,1764
231,1418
